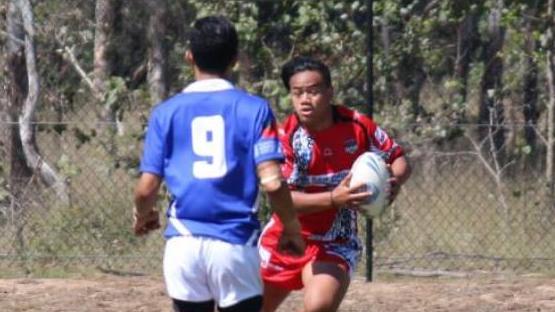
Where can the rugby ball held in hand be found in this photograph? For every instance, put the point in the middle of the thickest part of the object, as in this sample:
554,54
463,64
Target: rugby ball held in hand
370,170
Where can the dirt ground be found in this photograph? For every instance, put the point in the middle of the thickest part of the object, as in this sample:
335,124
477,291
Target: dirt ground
112,293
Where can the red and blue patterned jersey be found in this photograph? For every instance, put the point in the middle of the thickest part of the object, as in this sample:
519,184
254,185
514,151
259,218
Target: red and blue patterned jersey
318,161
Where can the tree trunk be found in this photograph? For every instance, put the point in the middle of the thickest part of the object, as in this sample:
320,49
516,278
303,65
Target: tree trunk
20,174
104,17
157,52
26,129
491,98
530,86
408,80
392,89
467,35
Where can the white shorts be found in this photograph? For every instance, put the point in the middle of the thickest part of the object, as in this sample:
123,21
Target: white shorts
200,269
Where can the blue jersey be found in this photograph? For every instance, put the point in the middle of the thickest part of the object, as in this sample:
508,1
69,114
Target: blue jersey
205,143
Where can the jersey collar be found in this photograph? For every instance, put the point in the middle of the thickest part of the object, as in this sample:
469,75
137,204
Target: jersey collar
208,85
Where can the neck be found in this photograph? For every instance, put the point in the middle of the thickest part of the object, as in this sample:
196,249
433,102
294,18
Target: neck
321,124
200,75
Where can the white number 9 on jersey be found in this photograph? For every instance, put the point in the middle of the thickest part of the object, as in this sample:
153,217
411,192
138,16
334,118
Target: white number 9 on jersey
208,140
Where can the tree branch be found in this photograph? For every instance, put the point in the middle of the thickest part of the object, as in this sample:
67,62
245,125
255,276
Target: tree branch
11,37
70,56
32,157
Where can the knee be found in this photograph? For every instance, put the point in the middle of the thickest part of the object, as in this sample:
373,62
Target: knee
320,304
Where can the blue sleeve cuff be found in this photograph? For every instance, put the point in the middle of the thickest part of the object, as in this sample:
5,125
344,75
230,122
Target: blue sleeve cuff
275,156
151,169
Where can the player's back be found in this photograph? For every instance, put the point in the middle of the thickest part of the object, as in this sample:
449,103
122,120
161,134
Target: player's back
212,141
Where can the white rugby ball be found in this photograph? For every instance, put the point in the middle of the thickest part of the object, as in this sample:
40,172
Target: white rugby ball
370,170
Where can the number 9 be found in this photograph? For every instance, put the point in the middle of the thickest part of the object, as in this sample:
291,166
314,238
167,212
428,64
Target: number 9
208,140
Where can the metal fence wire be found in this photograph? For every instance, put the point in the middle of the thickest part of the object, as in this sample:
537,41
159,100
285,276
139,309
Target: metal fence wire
464,209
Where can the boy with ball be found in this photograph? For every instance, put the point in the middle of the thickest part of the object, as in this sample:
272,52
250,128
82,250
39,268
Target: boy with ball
321,141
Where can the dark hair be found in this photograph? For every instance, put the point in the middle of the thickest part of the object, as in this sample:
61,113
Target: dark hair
304,63
213,43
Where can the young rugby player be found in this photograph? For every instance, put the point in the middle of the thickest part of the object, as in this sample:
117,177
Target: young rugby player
321,141
213,145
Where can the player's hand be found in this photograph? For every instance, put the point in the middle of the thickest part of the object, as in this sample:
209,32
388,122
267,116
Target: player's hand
143,223
291,241
394,185
394,188
345,195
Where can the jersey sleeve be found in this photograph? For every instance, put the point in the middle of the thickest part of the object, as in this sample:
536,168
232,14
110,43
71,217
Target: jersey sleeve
267,145
154,147
380,141
384,144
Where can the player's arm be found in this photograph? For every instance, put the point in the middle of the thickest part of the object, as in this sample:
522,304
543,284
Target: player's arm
400,169
398,164
273,184
342,195
152,167
145,216
400,172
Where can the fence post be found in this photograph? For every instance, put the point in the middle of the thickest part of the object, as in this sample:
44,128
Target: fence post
370,103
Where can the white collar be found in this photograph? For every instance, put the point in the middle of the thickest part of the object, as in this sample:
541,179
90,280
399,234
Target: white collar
207,85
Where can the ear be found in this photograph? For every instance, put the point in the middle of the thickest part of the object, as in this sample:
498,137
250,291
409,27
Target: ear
330,91
234,64
189,57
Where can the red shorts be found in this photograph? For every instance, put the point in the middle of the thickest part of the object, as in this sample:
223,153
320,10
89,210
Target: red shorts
285,271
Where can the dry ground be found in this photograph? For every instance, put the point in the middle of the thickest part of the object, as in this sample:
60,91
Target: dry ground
111,293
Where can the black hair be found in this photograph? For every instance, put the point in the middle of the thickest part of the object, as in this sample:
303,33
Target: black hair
304,63
213,43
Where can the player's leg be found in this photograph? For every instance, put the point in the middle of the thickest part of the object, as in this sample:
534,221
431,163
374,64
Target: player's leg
233,273
251,304
187,306
325,285
273,297
280,273
184,275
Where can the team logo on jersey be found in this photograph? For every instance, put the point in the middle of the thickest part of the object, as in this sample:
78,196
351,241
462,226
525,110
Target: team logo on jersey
324,180
350,146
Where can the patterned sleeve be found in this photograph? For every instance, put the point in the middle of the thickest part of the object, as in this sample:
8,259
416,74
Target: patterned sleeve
297,146
380,141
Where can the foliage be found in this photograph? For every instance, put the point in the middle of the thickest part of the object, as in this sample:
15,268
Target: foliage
415,46
427,82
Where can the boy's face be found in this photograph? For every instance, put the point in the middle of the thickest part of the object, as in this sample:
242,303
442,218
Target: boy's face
311,98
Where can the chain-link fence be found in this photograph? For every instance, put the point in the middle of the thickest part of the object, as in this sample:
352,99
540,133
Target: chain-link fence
467,207
470,209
